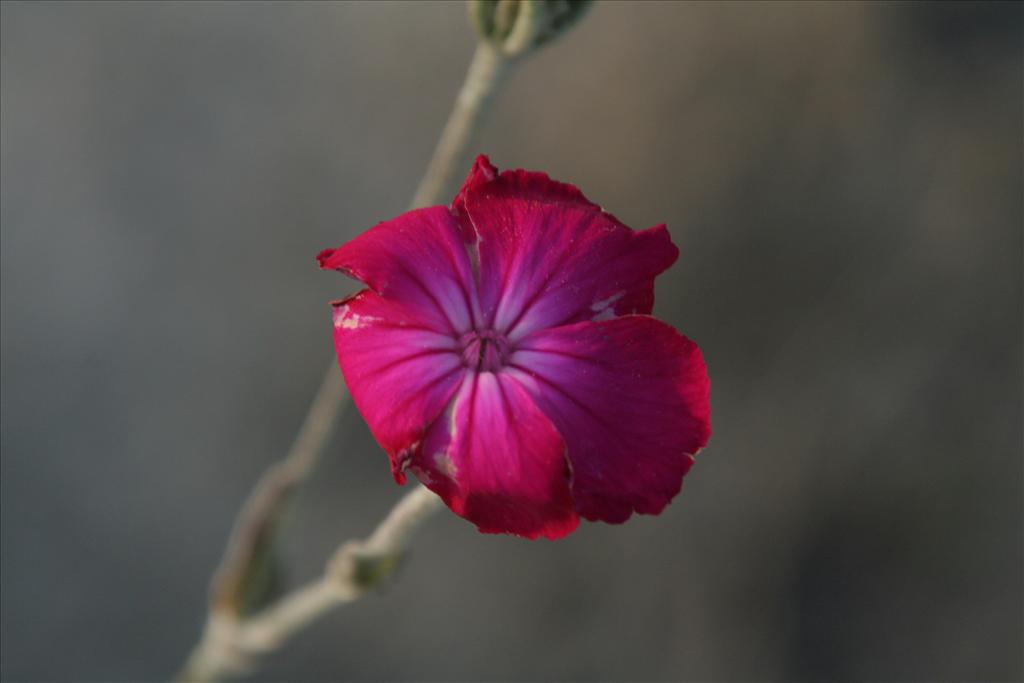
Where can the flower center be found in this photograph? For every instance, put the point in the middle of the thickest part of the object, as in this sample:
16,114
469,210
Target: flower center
484,350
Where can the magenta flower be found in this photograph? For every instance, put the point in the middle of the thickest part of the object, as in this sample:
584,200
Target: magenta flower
504,354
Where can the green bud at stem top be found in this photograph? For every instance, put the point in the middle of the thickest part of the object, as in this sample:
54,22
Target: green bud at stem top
515,27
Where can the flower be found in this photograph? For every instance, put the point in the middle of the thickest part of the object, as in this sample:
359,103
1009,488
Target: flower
503,353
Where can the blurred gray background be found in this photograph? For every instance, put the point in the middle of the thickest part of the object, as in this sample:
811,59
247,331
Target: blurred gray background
844,183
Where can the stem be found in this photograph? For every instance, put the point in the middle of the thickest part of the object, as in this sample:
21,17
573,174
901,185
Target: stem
251,541
452,154
346,577
231,645
232,641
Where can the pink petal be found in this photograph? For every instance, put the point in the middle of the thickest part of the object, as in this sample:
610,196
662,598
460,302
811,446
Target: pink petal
496,460
549,257
483,171
419,260
630,397
401,374
529,185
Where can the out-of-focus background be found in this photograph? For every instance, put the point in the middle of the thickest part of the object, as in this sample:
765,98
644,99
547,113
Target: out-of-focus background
844,183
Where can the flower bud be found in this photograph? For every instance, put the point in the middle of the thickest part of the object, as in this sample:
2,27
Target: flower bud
516,27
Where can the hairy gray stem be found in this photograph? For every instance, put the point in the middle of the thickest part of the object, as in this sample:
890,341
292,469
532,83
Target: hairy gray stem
233,640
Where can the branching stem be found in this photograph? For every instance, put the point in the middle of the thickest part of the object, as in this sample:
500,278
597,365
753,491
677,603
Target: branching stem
233,640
